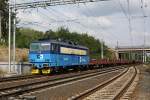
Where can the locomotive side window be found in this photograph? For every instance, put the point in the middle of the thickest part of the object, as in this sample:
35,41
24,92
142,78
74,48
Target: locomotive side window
55,48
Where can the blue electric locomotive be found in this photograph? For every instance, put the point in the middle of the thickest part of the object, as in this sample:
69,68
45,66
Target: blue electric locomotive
52,55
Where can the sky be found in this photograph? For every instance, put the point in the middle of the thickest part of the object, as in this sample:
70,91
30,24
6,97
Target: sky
105,20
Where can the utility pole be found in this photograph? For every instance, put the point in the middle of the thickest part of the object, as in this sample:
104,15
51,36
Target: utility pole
0,25
117,53
143,6
9,39
144,45
130,31
143,49
14,35
102,49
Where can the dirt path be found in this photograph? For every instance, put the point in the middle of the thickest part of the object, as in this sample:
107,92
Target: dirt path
142,91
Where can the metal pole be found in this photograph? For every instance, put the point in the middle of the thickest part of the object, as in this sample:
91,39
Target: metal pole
9,39
102,50
14,36
143,55
144,52
117,54
0,25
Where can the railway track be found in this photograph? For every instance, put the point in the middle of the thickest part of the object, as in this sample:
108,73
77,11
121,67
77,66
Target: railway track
112,89
24,80
21,89
20,77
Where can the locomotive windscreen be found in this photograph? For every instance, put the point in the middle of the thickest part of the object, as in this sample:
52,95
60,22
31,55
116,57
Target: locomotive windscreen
35,47
39,46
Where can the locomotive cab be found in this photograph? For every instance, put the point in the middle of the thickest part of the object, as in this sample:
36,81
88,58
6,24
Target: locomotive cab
39,57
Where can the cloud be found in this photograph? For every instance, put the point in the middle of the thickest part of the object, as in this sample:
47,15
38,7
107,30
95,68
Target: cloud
101,19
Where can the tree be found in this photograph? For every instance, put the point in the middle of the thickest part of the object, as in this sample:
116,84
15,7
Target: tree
25,36
4,19
84,39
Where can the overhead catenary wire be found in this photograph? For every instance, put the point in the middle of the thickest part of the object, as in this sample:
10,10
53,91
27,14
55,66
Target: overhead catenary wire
45,3
76,20
51,20
123,10
102,40
129,17
90,12
64,19
68,20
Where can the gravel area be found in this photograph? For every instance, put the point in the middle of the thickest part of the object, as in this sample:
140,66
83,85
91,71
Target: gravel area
142,91
66,91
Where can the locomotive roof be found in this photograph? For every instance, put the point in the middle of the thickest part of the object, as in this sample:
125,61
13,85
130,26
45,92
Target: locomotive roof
60,42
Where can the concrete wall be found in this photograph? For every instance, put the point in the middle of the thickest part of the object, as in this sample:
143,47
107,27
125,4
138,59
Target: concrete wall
19,68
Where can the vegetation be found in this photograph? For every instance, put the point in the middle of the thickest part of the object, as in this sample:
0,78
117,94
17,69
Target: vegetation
21,54
26,36
4,15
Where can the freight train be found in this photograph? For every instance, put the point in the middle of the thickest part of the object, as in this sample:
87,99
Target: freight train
49,56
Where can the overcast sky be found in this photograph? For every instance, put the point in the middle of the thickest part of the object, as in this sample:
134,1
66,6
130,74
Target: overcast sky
107,20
